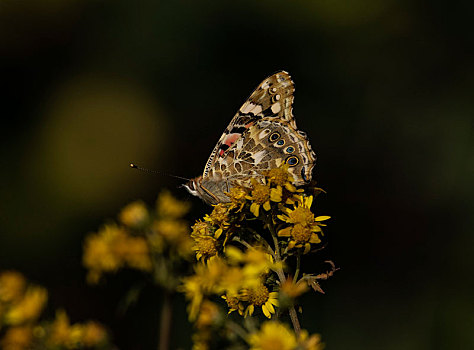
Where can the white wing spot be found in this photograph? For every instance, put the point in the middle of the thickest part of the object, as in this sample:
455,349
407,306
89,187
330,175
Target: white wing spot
263,133
258,156
257,109
276,107
247,107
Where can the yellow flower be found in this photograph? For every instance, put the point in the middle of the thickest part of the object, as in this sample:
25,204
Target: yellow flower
305,225
281,177
312,342
206,280
237,197
262,195
111,249
12,286
170,207
175,233
29,307
205,247
93,334
208,315
293,290
134,214
234,303
256,262
63,334
60,330
273,336
17,338
193,291
260,297
135,253
219,216
99,254
205,241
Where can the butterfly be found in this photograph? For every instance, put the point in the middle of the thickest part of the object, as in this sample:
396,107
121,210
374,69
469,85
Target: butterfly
261,136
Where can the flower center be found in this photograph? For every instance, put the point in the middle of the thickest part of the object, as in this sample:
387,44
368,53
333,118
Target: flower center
219,214
259,295
232,302
301,233
207,246
200,227
260,193
279,176
302,216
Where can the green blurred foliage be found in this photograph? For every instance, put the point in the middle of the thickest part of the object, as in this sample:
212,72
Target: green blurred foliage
383,88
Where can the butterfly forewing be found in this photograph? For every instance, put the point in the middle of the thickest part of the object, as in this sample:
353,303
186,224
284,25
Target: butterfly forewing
273,99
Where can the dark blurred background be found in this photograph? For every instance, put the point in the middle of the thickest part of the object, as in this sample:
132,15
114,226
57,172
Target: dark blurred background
383,88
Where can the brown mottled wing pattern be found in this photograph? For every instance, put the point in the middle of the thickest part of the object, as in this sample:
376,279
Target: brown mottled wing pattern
271,100
265,145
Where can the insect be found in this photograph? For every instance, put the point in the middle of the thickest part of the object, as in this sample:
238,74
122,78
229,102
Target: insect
261,136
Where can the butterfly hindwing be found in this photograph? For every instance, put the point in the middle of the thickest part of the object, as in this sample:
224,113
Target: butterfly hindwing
272,99
265,145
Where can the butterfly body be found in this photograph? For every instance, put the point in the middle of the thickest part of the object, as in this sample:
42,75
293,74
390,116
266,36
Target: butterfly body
261,136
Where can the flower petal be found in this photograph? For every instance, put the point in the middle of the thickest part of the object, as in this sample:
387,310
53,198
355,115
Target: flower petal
266,312
322,218
307,248
270,307
266,206
218,233
308,201
314,239
250,310
254,208
275,194
286,232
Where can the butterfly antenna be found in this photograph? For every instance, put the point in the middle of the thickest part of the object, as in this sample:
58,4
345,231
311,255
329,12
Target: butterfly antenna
134,166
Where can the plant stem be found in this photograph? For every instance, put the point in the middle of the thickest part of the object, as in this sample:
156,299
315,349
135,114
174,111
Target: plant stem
165,322
297,271
282,277
237,329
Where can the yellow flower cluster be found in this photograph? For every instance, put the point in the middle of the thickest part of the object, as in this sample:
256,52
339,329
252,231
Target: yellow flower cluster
139,238
276,335
21,305
63,334
113,248
238,277
271,219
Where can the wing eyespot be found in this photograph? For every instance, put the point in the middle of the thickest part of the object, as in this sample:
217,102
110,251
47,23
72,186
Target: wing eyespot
275,98
292,161
273,137
280,142
290,149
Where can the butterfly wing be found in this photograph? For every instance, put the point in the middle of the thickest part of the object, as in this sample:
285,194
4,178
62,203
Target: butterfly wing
271,100
266,145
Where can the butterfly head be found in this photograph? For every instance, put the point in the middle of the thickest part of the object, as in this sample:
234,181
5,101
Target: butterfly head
205,192
192,186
